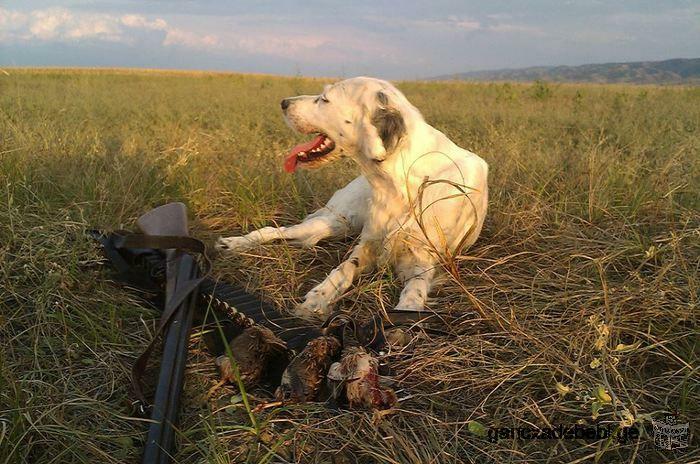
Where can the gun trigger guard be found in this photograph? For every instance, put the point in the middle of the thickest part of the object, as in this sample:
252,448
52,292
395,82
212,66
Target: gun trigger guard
141,408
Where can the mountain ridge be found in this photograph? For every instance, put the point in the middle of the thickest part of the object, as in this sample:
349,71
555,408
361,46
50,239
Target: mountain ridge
671,71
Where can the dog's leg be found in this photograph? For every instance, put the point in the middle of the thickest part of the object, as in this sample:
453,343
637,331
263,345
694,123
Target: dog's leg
418,280
305,234
343,216
317,302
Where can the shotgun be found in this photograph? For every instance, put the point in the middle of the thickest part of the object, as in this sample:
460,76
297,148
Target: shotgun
165,229
160,261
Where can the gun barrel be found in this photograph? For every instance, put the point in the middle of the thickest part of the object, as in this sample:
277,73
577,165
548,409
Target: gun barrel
161,434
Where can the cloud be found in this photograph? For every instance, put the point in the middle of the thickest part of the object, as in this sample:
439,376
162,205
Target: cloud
59,24
46,24
138,21
263,35
321,45
11,22
506,28
452,24
465,24
189,39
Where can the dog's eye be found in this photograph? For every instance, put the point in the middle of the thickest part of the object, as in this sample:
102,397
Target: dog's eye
322,98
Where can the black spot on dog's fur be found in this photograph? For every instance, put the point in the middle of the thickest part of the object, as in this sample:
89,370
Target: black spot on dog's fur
389,123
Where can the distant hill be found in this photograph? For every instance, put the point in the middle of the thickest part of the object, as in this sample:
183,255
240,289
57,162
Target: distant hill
676,71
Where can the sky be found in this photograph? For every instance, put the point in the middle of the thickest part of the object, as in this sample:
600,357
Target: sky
398,39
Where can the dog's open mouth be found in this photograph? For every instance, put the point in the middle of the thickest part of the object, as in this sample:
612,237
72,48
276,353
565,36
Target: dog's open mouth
309,152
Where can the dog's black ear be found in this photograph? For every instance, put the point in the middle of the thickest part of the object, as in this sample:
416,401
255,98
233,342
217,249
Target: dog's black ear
389,122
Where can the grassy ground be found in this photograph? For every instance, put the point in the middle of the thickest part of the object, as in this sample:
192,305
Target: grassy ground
592,242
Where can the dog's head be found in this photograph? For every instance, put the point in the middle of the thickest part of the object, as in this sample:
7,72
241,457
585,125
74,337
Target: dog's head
362,117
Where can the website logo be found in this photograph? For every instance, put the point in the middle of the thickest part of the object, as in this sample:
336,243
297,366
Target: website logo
669,434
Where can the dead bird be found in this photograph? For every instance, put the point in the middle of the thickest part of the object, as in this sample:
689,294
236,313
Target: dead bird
397,337
255,351
357,375
303,378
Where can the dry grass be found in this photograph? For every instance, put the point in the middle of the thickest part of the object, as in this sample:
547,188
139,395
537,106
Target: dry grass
592,240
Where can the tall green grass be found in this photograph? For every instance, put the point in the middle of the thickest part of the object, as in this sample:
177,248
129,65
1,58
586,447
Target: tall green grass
592,240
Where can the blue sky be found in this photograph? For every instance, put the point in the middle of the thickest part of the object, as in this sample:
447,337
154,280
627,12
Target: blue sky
392,39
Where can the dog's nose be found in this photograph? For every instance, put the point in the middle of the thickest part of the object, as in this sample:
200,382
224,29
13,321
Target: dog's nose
284,104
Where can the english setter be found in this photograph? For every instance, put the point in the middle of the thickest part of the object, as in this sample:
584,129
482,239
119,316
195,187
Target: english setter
420,198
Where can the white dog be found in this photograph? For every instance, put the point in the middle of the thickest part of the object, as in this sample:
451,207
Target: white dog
420,199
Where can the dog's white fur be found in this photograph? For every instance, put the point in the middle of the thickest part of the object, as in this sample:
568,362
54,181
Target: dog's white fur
420,197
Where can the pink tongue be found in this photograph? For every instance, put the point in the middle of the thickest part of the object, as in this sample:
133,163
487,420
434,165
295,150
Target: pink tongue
290,163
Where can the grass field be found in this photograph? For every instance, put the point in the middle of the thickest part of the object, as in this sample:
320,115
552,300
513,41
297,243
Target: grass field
585,277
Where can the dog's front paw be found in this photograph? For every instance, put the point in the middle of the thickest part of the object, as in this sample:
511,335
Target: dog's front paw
230,245
315,307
